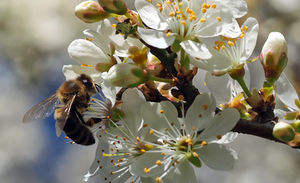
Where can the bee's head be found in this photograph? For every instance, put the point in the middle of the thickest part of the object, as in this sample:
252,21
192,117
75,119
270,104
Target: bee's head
88,83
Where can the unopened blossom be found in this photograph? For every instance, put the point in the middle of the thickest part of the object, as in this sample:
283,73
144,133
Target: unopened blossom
283,132
125,75
185,142
230,53
184,23
90,12
274,56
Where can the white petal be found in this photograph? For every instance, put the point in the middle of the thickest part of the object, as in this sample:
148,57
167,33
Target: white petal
286,92
147,160
220,87
227,138
86,52
98,161
237,7
156,38
248,43
183,173
171,113
212,27
257,75
222,123
150,15
217,156
132,100
195,49
200,112
73,71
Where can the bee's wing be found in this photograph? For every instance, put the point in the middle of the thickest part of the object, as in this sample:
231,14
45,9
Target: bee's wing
41,110
60,123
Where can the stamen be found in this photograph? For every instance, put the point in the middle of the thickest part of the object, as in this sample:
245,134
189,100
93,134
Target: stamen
158,163
147,170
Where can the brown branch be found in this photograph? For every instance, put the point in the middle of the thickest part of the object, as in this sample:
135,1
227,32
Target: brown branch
261,129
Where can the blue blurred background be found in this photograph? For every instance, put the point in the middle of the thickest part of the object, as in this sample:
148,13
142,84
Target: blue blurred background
34,39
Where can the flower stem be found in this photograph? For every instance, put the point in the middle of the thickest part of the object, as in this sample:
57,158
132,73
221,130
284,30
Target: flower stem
242,83
154,78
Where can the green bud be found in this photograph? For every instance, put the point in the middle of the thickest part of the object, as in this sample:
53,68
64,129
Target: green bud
114,6
283,132
296,125
274,56
90,12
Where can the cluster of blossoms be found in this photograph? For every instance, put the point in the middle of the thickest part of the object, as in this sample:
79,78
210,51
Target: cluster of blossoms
176,77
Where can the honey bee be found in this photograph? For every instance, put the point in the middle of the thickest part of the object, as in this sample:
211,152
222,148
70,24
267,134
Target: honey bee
68,104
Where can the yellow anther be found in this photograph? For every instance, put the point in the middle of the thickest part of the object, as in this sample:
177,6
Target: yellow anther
178,17
111,149
214,5
89,39
149,1
158,5
72,142
230,43
66,137
124,138
114,25
161,111
195,155
203,143
105,131
147,170
188,10
205,106
163,153
158,163
181,97
107,117
204,5
166,129
145,125
111,172
203,10
143,151
219,137
169,2
86,65
242,35
168,34
221,105
194,129
219,19
138,139
158,179
179,12
151,132
127,154
245,28
202,20
189,141
171,14
223,47
207,5
184,17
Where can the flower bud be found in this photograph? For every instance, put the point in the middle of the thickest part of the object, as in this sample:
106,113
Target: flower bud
114,6
296,125
283,132
90,12
274,56
125,75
